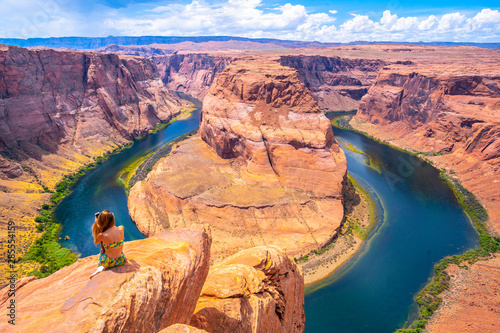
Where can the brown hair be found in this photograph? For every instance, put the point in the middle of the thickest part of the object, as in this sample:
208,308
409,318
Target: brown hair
104,221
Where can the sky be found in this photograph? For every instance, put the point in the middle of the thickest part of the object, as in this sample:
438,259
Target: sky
324,21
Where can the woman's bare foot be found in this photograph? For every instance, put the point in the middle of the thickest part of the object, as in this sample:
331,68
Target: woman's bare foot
97,271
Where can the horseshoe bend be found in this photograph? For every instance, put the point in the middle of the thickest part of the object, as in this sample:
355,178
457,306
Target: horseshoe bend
265,168
263,181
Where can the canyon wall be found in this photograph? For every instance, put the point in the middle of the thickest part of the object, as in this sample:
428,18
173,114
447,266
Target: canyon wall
191,73
449,111
78,98
446,112
58,111
265,169
336,83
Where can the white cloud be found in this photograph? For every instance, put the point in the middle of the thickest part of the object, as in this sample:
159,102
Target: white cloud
246,18
428,24
360,23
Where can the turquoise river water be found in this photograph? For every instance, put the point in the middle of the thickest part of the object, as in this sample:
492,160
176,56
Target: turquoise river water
420,222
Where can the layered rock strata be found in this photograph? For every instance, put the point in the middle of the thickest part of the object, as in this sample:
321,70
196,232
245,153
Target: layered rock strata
191,73
449,111
266,170
58,111
446,111
336,83
82,99
158,286
255,290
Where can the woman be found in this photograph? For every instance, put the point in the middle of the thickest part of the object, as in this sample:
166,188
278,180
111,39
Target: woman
111,239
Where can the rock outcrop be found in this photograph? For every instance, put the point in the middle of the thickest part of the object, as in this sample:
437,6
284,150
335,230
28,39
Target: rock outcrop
472,303
191,73
77,97
336,83
448,107
445,111
158,286
58,111
266,170
255,290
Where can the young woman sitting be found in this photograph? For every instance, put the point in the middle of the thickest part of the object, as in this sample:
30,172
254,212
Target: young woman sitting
111,239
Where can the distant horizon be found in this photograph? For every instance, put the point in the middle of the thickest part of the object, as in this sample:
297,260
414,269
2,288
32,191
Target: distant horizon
39,41
297,20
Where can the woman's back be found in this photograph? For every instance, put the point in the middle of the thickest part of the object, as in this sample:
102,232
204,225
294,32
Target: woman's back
111,238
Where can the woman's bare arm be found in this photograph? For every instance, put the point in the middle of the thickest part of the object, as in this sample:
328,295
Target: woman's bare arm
100,238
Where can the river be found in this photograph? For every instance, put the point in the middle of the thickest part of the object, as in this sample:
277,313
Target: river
420,222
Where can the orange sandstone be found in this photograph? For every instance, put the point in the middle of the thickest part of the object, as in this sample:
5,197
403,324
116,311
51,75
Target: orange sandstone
158,286
255,290
267,170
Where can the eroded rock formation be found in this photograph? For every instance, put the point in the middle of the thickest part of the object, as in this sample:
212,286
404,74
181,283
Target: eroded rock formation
450,111
445,111
255,290
336,83
78,97
268,171
182,328
261,113
158,286
191,73
59,110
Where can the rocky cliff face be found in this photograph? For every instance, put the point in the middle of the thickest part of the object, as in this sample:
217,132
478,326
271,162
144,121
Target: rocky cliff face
75,97
255,290
270,171
336,83
158,286
261,113
59,110
442,111
191,73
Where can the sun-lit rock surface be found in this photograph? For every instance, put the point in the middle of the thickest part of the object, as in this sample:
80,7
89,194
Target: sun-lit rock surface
191,73
158,286
449,111
255,290
262,113
59,110
472,304
336,83
271,173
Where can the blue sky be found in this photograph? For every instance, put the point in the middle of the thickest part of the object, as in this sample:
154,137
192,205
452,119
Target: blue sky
327,21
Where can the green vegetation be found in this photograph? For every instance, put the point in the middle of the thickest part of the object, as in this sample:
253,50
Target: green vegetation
127,173
428,299
351,147
46,250
144,165
343,122
353,228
